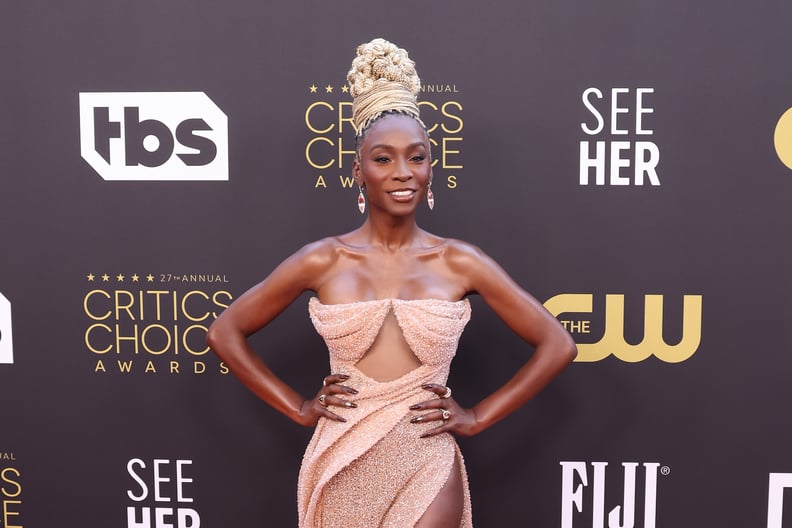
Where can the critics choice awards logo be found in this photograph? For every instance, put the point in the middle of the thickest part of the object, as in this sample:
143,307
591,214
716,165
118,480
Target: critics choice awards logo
171,136
160,494
617,149
576,313
152,324
330,134
6,343
10,491
586,489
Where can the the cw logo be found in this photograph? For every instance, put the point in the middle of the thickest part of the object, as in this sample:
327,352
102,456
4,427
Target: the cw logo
613,341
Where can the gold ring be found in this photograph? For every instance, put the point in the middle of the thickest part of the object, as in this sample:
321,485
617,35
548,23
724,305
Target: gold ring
322,401
446,414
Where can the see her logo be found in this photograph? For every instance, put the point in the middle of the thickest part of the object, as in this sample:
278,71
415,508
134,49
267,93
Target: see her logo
6,349
159,494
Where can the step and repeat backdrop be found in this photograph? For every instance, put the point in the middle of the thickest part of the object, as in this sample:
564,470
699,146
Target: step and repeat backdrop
628,163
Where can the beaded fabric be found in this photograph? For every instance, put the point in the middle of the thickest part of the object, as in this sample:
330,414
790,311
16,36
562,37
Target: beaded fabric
374,470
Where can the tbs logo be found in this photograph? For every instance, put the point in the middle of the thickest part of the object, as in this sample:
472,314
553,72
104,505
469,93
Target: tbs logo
165,136
775,498
6,350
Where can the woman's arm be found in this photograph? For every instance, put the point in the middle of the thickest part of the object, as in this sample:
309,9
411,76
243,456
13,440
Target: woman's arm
258,306
554,347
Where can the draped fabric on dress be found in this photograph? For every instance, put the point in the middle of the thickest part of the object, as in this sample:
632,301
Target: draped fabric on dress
374,470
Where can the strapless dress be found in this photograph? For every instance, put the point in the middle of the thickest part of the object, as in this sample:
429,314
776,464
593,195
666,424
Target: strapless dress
374,470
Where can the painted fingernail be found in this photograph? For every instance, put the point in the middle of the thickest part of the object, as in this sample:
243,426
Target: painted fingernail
415,407
343,376
417,419
426,387
350,404
350,390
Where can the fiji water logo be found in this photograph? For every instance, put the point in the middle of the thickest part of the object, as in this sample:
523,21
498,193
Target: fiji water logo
583,495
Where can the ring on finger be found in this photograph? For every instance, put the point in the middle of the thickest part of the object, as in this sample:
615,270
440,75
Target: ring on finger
446,414
447,393
324,382
322,401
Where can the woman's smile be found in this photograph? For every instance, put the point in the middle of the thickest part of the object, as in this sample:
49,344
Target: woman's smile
402,195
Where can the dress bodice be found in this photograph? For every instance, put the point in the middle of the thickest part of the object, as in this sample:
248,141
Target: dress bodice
431,327
377,442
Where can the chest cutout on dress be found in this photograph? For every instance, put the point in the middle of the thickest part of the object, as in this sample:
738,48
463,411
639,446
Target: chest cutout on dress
389,357
408,333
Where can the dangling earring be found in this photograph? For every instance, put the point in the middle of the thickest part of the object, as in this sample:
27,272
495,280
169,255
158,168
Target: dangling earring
361,200
430,196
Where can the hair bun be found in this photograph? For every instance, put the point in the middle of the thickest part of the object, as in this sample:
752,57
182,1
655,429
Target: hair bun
382,60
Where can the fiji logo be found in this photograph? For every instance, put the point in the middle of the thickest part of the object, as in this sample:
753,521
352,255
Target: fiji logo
583,495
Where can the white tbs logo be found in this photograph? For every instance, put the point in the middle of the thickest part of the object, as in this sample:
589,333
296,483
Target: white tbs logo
6,348
154,136
775,498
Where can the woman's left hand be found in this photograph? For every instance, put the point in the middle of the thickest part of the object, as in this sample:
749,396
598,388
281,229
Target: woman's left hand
453,417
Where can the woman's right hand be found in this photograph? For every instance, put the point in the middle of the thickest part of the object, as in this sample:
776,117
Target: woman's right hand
313,409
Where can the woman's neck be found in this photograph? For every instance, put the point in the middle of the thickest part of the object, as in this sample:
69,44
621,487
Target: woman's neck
390,233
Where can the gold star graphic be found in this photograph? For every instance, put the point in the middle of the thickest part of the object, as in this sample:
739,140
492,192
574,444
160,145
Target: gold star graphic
105,277
135,277
313,88
345,89
329,89
150,277
90,277
120,278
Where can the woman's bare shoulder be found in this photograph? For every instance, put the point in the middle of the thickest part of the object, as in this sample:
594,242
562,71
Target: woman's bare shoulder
321,253
463,255
471,264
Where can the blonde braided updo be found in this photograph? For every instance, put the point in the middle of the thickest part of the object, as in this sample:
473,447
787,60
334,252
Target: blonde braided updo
382,80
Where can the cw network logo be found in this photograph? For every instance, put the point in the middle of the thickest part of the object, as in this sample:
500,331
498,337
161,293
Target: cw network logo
6,346
146,136
775,498
613,341
575,477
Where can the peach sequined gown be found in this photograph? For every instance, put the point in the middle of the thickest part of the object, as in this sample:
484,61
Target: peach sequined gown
374,470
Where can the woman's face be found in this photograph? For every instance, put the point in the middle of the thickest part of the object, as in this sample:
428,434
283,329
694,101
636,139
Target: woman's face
394,164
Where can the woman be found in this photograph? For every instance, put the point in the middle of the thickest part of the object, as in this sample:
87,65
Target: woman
391,304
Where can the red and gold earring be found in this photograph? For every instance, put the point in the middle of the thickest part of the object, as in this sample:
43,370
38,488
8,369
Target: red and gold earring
430,196
362,200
